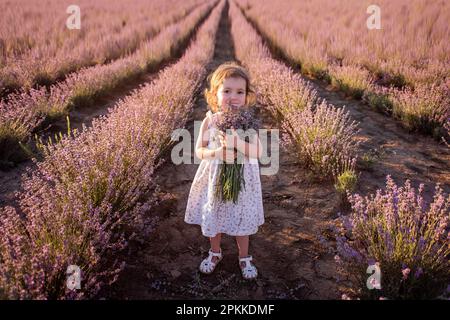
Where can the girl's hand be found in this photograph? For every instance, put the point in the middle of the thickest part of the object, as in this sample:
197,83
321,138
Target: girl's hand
235,137
223,153
231,139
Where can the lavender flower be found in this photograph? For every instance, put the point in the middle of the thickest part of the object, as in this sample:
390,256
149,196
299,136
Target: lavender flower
231,176
418,273
244,119
392,225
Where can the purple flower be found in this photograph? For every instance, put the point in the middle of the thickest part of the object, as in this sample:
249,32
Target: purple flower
244,119
418,273
231,177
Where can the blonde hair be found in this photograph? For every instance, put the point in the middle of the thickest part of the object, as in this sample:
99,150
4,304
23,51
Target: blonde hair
228,69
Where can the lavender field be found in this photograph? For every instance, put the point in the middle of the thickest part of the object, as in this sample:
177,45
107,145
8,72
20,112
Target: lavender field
91,94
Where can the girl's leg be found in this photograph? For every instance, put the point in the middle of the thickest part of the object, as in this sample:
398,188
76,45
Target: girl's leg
242,243
251,273
215,245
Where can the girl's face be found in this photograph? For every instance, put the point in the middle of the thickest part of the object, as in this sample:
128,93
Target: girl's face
231,94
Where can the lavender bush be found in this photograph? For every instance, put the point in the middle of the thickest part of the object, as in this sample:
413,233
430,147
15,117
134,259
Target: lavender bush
322,135
424,109
407,238
38,51
353,81
324,138
346,180
378,98
80,88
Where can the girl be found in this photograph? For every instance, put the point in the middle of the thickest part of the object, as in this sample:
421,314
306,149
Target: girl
229,88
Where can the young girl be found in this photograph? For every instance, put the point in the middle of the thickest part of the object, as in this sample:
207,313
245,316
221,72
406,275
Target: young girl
229,88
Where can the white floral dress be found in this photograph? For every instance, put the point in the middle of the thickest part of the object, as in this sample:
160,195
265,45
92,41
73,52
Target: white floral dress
214,216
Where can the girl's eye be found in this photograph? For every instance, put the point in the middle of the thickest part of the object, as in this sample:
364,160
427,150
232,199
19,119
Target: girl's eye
241,92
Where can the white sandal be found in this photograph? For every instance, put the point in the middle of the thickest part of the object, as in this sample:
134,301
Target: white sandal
207,266
249,271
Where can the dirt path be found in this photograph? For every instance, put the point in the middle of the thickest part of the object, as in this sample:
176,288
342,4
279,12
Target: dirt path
403,155
291,263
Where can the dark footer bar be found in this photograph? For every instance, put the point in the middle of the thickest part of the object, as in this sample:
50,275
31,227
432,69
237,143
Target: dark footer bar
212,309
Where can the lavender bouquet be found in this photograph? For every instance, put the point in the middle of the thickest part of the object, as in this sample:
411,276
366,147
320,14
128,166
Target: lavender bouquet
231,176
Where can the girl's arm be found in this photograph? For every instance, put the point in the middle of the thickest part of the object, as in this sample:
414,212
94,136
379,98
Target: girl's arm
201,147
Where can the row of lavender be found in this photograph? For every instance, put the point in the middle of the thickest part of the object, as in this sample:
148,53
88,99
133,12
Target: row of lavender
401,70
94,191
323,136
395,230
38,49
26,111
